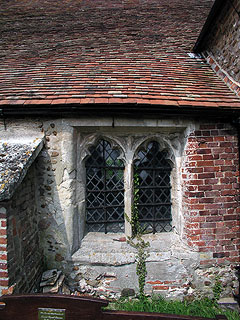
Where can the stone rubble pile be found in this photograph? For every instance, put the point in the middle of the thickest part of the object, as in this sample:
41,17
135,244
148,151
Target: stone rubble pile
52,281
98,287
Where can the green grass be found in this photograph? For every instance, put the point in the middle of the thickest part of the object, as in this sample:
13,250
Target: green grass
201,308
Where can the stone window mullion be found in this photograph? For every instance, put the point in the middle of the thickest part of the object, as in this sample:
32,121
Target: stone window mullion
128,195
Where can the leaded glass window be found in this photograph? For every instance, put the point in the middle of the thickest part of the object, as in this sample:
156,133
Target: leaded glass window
153,171
104,189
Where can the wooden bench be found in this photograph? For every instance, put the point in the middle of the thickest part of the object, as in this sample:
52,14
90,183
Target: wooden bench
64,307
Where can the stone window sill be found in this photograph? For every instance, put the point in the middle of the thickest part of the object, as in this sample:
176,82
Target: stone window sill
111,249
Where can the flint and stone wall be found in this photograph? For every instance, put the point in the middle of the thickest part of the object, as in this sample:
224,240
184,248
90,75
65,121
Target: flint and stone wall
22,259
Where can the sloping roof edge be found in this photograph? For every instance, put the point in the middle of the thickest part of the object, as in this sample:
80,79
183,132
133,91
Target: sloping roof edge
214,12
14,170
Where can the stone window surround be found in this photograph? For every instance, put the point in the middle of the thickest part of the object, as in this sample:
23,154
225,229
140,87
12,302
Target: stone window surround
128,141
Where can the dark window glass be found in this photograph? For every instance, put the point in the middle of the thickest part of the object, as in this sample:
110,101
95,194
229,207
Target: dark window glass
105,189
154,203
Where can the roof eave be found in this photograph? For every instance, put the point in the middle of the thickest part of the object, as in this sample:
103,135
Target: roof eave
122,109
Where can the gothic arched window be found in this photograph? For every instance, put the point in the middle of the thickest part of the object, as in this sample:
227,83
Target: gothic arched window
154,188
104,189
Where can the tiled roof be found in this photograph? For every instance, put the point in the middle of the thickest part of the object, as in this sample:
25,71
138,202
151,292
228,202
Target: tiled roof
106,51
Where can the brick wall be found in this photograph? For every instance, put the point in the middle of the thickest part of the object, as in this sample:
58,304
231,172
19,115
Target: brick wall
3,250
21,258
211,191
222,45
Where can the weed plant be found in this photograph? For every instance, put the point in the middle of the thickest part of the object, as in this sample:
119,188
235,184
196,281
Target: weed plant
202,308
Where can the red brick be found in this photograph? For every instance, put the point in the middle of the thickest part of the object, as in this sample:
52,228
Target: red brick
210,157
155,282
3,223
204,151
4,283
206,175
194,158
231,217
206,200
3,266
205,163
197,207
3,274
195,170
196,232
206,249
228,168
194,238
3,232
213,182
197,219
215,193
200,243
3,257
196,182
213,218
160,287
3,240
207,237
195,194
220,254
226,144
205,188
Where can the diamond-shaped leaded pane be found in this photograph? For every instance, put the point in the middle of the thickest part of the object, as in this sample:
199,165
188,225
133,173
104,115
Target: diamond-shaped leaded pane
114,198
162,195
95,227
163,226
145,196
146,178
114,179
115,227
95,199
163,178
145,213
105,188
163,212
94,215
115,214
154,195
95,178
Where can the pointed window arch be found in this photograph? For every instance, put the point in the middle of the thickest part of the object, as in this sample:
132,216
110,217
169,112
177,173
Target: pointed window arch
104,189
154,188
